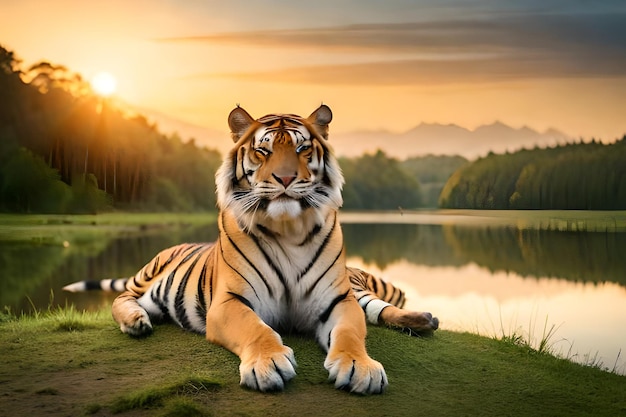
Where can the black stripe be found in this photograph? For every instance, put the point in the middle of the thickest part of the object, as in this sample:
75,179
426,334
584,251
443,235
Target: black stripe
234,180
374,286
319,251
179,300
241,275
324,343
168,286
397,295
269,289
154,296
311,235
243,170
198,248
317,281
270,234
366,304
200,300
326,314
175,253
112,284
277,271
384,294
138,284
155,264
242,299
92,285
360,293
265,231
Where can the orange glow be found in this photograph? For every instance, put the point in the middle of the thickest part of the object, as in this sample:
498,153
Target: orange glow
195,63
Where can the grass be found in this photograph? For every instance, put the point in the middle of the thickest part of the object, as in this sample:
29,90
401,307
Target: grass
66,362
556,220
65,230
175,396
545,345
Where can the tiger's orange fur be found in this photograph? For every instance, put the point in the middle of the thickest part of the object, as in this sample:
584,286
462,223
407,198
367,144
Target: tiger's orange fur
277,265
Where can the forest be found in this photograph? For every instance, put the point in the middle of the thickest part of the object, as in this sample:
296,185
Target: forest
63,149
575,176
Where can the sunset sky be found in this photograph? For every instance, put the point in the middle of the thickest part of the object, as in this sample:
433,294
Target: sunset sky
379,64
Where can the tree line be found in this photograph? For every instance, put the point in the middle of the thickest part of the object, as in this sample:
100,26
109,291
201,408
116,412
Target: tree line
376,181
578,176
64,149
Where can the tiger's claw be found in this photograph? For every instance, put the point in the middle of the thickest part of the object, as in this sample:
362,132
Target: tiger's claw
268,373
360,376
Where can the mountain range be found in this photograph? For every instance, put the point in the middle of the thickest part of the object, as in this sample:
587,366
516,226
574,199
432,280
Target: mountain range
424,139
450,139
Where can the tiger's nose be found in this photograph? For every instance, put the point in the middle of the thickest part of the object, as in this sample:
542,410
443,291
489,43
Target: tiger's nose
285,180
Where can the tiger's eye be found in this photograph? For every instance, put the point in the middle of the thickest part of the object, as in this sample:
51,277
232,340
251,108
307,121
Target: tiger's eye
302,148
261,152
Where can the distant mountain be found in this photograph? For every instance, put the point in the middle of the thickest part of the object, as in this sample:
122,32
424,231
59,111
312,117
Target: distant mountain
424,139
439,139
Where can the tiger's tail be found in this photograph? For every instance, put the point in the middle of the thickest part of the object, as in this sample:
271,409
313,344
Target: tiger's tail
112,285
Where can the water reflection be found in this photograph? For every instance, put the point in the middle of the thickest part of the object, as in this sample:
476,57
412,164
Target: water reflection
575,256
32,275
490,280
498,280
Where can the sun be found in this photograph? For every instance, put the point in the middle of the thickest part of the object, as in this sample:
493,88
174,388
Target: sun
104,83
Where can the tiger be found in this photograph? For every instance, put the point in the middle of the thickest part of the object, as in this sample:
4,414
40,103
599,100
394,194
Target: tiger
278,264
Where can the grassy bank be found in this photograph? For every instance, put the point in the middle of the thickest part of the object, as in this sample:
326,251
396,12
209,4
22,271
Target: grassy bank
59,229
69,363
554,220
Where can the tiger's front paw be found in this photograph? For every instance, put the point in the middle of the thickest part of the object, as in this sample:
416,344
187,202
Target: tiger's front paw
361,376
137,324
268,372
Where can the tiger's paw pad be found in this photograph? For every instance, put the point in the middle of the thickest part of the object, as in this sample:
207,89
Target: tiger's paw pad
360,376
425,324
268,372
137,325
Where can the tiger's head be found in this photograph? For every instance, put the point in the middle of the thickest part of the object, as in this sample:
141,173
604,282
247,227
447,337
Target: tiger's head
280,170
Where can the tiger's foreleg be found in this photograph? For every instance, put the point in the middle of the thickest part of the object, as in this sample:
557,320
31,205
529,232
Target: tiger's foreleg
348,364
382,303
266,364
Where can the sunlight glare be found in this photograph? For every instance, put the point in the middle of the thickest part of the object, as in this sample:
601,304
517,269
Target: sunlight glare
104,84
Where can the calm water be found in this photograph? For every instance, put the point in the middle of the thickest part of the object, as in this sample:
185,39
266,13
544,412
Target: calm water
491,280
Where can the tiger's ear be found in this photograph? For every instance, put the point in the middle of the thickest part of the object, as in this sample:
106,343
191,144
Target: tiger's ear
239,121
320,119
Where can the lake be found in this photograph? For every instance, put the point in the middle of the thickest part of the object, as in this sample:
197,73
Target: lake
496,275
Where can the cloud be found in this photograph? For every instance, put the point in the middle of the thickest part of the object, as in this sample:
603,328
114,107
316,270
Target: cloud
506,47
432,72
535,31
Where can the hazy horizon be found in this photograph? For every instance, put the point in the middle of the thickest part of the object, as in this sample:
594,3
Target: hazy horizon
391,66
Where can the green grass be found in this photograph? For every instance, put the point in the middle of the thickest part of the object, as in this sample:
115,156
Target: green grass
66,230
556,220
66,362
157,397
